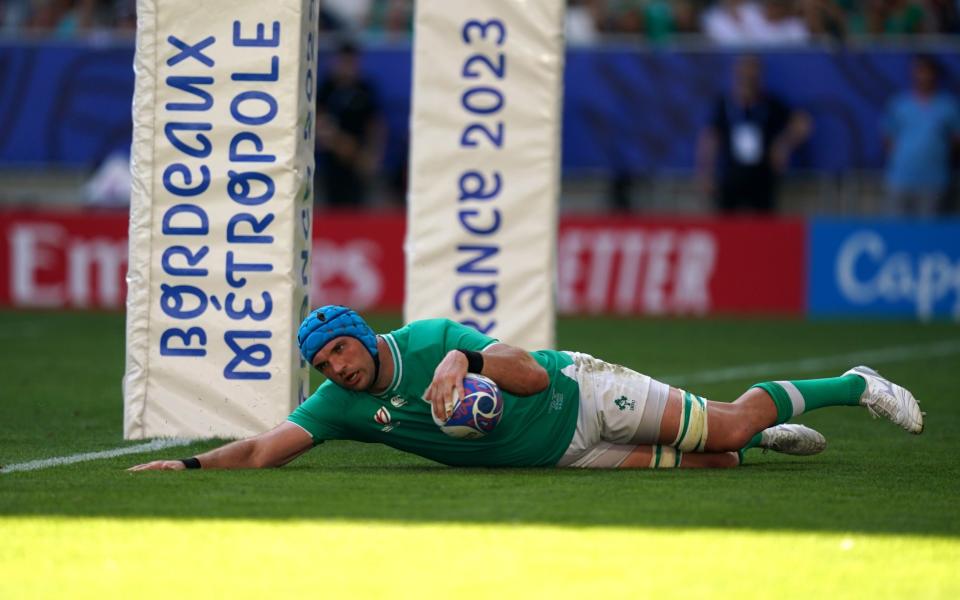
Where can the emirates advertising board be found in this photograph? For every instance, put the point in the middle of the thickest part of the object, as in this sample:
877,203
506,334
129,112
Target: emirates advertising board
627,266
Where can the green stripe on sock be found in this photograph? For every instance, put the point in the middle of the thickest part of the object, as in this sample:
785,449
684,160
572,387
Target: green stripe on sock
780,399
656,463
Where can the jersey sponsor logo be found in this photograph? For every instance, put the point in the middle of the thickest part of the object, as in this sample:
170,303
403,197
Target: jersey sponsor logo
624,403
398,401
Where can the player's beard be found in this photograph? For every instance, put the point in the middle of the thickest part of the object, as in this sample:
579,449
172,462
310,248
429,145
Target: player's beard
369,383
352,380
359,385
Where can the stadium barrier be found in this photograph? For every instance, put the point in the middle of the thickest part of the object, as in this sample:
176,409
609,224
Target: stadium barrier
630,266
624,107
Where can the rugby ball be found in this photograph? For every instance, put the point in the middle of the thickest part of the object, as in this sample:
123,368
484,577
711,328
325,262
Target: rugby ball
477,413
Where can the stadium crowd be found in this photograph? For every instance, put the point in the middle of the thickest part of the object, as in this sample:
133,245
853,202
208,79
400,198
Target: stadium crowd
588,21
765,22
746,138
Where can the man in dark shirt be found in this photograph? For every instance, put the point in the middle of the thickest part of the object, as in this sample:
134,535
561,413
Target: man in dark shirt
350,131
747,144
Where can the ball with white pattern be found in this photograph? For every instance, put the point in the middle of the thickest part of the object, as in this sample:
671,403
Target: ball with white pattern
477,413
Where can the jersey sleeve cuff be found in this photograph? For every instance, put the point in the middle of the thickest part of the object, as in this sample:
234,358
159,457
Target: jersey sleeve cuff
312,437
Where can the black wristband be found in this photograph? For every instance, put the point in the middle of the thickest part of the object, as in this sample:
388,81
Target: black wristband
474,361
191,463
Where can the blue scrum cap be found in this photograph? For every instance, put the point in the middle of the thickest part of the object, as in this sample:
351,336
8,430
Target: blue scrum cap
331,321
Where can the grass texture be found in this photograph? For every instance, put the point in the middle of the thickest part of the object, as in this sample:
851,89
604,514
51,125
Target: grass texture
875,516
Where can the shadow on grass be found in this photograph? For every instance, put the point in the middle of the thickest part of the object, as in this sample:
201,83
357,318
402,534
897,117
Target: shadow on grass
361,482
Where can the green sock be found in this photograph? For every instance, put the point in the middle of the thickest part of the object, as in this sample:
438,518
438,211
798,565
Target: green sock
797,397
754,441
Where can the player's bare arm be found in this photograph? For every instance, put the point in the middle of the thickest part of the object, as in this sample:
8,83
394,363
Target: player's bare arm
273,448
513,369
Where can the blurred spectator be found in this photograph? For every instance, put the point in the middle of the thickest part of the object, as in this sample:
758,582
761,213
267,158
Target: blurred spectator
922,129
943,16
745,22
782,23
657,20
350,131
904,17
391,18
825,19
125,12
730,22
13,15
352,15
885,17
581,23
662,19
67,18
618,16
64,18
747,144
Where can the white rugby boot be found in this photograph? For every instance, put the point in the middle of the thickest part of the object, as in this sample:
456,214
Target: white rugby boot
792,438
884,398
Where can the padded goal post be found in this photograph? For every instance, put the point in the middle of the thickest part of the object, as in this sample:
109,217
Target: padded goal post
221,214
484,166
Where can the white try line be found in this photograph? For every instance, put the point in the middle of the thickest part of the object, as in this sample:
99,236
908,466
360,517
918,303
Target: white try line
819,363
158,444
803,365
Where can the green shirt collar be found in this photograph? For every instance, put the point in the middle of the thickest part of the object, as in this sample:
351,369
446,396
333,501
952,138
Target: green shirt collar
397,365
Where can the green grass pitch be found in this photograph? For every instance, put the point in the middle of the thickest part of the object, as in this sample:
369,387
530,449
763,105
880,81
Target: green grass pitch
875,516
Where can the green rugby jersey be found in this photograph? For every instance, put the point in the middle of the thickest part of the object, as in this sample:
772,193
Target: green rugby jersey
533,431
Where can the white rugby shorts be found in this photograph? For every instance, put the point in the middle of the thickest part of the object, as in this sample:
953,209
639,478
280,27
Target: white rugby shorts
619,410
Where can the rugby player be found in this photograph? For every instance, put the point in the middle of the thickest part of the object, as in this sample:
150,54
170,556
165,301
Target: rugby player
563,409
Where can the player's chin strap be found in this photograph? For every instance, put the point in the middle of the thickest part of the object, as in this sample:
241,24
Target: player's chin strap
376,364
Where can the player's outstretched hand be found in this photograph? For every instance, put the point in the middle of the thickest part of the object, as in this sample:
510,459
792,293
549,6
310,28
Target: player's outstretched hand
160,465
